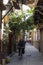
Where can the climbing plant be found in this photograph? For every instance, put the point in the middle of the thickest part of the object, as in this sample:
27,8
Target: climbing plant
18,21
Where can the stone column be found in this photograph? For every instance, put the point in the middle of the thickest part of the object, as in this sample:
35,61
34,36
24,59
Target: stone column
41,40
0,34
1,5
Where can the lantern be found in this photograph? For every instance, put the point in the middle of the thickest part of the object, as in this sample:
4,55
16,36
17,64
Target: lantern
6,19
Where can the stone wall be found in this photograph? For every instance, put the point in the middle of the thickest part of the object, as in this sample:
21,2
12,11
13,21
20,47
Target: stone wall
35,38
41,40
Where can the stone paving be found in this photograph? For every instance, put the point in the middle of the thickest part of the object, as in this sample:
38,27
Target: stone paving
31,57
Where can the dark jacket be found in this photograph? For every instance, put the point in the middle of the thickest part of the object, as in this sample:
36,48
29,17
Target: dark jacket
21,44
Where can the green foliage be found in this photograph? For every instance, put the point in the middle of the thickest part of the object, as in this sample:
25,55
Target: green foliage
30,20
31,11
6,33
5,38
28,24
14,19
17,22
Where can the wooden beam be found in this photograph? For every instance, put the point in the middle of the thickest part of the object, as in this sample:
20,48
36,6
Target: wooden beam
8,12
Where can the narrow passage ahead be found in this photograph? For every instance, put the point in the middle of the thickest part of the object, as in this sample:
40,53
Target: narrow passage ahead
31,57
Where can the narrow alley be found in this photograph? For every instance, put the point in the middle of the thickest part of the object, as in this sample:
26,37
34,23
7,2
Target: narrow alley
31,57
20,21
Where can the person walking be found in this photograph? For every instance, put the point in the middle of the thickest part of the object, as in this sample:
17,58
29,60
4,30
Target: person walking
21,47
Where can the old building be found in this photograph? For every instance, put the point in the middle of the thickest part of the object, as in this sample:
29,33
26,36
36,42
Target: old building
38,18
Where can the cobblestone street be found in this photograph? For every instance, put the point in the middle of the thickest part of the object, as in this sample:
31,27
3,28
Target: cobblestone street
31,57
